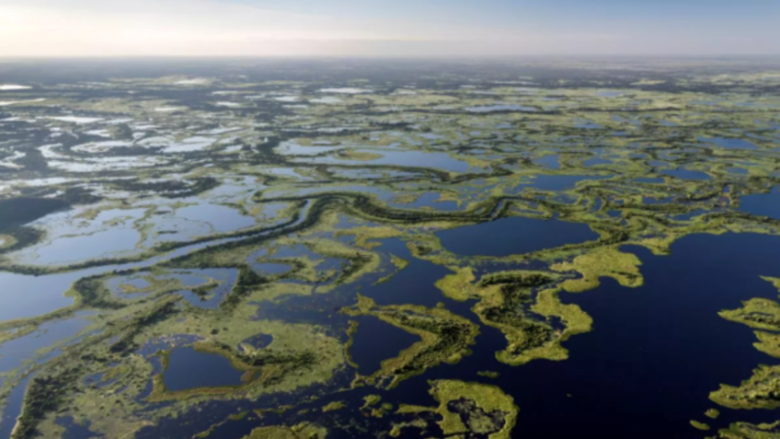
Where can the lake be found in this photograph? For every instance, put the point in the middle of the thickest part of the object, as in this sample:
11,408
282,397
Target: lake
514,236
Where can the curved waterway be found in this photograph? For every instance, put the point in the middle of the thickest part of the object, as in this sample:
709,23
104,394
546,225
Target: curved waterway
31,296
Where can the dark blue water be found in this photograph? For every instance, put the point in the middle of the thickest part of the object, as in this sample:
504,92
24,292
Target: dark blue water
190,369
647,368
657,351
762,204
513,236
655,354
376,341
414,284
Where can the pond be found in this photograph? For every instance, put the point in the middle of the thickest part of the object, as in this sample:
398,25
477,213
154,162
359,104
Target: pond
191,369
729,143
549,162
514,236
762,204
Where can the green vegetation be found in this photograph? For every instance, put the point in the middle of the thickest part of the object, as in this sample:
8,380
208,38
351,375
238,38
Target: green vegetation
472,408
712,413
744,430
444,338
300,431
193,182
761,391
756,313
333,406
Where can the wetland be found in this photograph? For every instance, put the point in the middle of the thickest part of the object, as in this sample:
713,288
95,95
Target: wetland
267,248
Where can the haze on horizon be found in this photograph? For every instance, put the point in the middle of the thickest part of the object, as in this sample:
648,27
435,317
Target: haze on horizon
74,28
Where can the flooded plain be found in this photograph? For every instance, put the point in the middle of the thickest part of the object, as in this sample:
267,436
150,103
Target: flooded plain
433,250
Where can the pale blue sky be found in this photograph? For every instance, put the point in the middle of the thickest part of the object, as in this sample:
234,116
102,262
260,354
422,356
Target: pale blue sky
388,27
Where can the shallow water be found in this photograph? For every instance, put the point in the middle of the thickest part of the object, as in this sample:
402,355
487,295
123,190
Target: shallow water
13,408
47,292
68,250
14,352
221,218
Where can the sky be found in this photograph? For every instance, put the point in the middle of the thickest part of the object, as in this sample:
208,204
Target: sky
387,28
